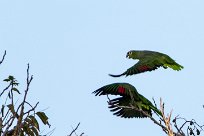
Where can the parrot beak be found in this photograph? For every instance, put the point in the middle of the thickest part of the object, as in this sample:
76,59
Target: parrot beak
127,56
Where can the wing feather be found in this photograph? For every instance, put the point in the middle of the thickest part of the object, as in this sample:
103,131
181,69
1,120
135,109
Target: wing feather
129,97
117,106
140,67
123,89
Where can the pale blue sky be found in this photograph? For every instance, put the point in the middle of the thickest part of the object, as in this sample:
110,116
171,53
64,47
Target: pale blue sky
72,46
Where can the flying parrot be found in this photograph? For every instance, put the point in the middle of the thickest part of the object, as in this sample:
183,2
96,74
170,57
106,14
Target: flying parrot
148,61
130,104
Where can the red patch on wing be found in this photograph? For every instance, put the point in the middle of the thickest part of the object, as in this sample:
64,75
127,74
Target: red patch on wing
144,68
121,90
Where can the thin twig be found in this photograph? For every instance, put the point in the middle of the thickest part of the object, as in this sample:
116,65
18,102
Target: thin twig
167,119
32,109
74,129
5,89
9,125
193,123
29,79
3,57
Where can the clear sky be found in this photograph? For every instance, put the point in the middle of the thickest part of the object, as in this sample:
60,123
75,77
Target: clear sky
72,46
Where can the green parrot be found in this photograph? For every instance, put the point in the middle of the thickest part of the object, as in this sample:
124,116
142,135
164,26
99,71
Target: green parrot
148,61
121,106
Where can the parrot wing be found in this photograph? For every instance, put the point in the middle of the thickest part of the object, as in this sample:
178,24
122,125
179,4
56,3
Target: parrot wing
140,67
123,89
122,108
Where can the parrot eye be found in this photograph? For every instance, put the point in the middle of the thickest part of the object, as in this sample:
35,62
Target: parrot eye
128,54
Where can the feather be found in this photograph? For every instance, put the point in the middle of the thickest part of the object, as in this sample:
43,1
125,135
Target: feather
130,103
148,61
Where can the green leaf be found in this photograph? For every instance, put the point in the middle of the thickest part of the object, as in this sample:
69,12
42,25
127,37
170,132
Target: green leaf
11,78
27,129
9,95
6,80
15,89
34,130
28,121
43,117
11,108
31,133
15,83
34,122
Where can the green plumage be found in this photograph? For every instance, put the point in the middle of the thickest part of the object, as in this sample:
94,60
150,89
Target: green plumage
129,97
148,61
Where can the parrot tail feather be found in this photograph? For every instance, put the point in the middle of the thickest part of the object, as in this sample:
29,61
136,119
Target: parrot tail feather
116,75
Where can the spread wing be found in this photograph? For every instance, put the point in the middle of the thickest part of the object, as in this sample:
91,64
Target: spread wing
140,67
130,103
121,107
151,61
123,89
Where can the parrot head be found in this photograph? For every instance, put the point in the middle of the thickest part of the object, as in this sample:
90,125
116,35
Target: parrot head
132,54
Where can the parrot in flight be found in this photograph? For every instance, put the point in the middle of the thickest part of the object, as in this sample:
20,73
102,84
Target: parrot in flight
130,104
148,61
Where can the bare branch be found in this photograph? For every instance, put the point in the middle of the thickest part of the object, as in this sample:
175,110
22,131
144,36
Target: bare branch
5,89
11,120
3,57
32,109
192,128
74,131
166,120
29,79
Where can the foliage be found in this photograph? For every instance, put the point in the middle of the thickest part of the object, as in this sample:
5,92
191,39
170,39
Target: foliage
15,119
21,118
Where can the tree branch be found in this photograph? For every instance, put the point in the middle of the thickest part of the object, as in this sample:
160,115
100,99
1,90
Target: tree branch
5,89
3,57
74,131
29,79
32,109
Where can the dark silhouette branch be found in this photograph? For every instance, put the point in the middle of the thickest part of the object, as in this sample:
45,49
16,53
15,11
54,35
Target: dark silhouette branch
3,57
32,109
74,131
19,122
5,89
191,128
